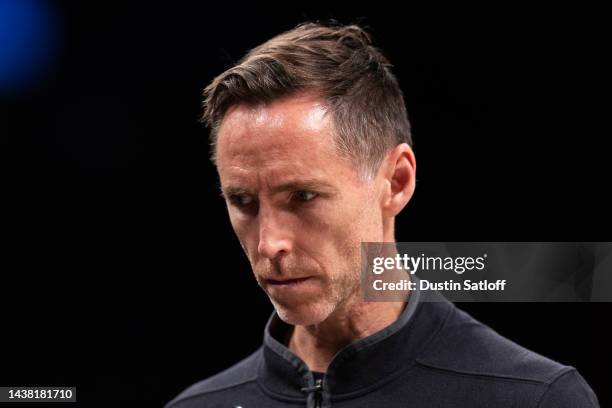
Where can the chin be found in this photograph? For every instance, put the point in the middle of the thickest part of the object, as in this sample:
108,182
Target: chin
304,314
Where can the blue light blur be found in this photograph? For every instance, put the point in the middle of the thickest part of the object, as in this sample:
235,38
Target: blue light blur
28,42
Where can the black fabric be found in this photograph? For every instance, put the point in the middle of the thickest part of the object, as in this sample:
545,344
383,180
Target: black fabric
434,355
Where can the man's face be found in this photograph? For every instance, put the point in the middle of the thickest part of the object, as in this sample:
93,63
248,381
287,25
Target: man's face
299,209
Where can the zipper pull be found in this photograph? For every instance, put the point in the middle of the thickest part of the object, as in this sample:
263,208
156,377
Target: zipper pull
317,389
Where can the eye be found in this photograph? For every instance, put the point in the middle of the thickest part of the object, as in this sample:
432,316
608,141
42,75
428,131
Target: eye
304,196
241,200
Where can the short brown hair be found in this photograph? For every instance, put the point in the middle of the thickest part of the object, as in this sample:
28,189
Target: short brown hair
353,77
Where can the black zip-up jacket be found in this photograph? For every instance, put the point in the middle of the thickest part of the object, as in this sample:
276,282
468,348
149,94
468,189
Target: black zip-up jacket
434,355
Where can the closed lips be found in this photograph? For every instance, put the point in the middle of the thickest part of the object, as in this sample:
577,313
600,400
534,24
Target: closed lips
286,281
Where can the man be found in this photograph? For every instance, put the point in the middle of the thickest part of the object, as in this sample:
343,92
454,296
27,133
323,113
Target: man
312,144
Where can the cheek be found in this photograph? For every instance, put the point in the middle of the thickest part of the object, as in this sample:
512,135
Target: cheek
237,226
358,221
346,227
243,231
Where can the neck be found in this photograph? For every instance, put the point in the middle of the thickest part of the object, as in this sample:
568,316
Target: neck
317,344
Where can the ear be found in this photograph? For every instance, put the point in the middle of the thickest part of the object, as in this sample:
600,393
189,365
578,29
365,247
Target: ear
400,179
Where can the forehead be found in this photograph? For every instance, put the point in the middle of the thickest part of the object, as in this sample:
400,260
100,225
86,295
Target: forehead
292,136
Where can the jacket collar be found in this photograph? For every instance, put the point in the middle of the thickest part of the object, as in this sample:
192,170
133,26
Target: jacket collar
362,365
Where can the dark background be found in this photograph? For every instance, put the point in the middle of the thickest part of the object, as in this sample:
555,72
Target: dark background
120,273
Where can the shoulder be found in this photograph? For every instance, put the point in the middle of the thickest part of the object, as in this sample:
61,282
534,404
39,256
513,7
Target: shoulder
466,347
239,375
568,390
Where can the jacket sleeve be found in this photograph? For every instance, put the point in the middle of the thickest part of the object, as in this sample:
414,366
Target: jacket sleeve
569,390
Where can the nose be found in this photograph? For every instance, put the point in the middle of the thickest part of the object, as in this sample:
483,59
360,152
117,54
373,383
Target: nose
274,237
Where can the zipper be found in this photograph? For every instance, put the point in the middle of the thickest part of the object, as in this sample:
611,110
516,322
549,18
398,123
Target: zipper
318,393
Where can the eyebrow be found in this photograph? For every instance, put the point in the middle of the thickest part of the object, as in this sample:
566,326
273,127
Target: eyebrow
288,186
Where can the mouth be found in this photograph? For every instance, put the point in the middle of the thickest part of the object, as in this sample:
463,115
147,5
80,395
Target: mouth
286,283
